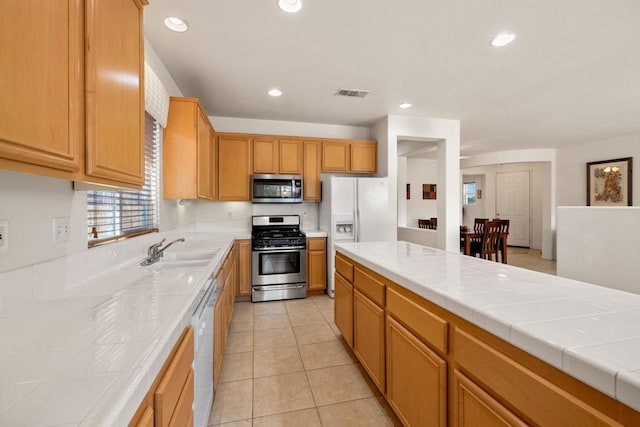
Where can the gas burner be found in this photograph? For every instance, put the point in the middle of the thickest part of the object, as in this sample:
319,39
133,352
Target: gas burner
281,232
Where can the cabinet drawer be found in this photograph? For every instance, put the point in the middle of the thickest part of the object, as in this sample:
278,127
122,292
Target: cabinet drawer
539,400
429,327
184,408
369,286
316,244
344,267
170,387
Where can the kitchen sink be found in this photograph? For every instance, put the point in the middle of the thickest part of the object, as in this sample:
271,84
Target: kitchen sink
181,264
189,255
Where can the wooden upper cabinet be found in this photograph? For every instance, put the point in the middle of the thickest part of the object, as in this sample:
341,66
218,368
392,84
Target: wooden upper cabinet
265,155
189,155
290,156
335,156
277,156
364,156
206,159
114,69
234,167
311,166
41,107
353,156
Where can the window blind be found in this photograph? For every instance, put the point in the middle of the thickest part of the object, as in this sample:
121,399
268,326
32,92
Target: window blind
116,214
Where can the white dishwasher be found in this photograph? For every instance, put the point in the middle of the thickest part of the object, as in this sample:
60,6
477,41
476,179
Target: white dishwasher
202,322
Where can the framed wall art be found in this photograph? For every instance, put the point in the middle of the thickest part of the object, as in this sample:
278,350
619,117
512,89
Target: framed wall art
609,182
428,191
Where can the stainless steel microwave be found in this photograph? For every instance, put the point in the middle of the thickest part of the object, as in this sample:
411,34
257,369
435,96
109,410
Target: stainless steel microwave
276,189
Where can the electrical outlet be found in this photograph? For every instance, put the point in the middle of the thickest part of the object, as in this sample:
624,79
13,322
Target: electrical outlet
61,229
229,214
4,236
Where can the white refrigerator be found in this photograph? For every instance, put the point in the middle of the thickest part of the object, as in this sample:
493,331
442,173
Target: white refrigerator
354,210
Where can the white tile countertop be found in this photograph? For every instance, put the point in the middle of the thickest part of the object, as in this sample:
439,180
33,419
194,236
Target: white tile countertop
88,355
315,233
588,331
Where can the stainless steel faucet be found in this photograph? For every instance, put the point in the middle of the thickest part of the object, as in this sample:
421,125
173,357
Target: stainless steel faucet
155,252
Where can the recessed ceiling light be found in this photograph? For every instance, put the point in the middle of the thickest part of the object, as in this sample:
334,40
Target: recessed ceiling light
404,105
503,39
290,6
176,24
275,92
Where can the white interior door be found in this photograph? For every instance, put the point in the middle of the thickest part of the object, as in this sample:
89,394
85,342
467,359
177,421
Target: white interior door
512,203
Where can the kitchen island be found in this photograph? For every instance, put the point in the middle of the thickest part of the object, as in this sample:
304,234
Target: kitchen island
450,339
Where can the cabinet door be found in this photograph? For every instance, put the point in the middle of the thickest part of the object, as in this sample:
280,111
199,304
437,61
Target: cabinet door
316,264
115,109
180,150
265,155
204,157
416,379
218,327
311,177
363,156
472,406
244,269
290,157
335,156
147,418
368,337
344,308
213,159
42,89
234,167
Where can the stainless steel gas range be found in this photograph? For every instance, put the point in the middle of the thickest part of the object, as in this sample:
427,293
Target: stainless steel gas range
278,259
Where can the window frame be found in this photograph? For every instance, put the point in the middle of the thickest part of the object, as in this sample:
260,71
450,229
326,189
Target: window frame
466,194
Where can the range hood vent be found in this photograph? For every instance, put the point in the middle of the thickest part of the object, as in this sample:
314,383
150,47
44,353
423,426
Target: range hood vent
352,93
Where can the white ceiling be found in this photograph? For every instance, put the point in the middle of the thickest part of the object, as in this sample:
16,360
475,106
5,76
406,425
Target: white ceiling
572,75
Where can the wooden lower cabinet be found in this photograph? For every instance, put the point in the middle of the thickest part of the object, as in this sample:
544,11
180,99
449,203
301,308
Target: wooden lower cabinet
416,379
316,263
244,268
343,308
436,369
169,400
472,406
368,337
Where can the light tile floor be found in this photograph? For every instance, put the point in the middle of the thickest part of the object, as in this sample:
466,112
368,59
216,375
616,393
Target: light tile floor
286,365
531,259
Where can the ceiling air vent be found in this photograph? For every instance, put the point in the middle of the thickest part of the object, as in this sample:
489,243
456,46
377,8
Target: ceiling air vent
353,93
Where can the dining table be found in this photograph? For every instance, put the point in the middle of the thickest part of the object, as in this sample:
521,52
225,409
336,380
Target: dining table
470,234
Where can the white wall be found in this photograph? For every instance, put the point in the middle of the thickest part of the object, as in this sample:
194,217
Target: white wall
419,236
477,210
572,170
546,157
600,245
486,207
393,128
420,171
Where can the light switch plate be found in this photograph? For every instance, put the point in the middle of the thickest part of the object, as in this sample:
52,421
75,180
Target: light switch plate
61,229
4,236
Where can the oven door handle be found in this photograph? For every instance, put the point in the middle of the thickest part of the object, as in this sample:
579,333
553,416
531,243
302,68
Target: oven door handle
278,287
287,249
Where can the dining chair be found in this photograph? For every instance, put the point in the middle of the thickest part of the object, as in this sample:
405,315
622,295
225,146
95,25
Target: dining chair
504,232
478,227
488,246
